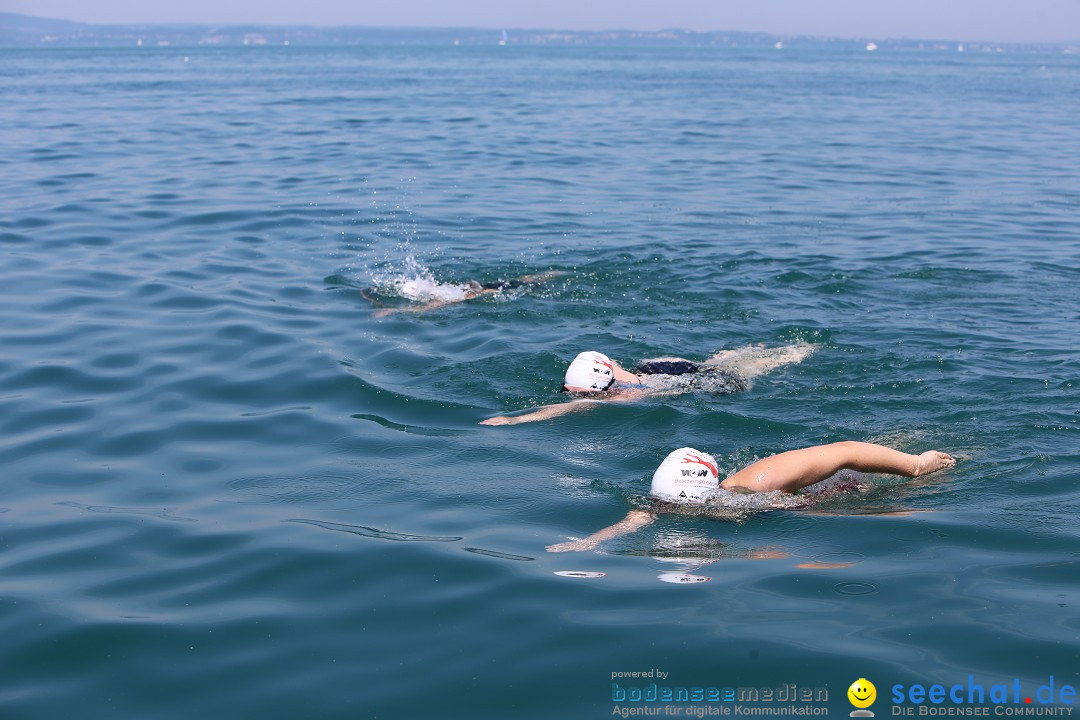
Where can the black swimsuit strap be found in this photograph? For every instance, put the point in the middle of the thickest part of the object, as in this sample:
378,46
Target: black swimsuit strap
666,367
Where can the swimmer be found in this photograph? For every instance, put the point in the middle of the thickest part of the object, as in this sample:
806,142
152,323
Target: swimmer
594,377
688,477
450,294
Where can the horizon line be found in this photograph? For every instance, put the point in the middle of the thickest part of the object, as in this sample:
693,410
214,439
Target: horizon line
447,28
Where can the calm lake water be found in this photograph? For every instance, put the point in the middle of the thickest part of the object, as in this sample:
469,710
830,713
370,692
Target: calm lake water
231,490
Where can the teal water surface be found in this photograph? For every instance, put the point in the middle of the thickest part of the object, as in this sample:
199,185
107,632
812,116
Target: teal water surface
231,490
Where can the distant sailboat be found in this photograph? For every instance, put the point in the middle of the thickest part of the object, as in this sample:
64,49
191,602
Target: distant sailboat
504,38
871,46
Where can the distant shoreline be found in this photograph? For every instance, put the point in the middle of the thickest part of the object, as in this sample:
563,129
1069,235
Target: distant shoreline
26,30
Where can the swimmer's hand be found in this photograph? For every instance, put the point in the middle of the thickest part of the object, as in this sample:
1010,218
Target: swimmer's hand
573,545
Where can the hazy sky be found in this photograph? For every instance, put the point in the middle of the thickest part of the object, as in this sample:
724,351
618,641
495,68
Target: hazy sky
1000,20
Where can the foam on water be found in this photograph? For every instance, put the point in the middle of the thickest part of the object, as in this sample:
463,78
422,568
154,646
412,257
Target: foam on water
412,280
707,380
724,504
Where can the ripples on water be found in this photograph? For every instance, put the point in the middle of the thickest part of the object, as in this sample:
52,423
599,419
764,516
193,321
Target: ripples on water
213,448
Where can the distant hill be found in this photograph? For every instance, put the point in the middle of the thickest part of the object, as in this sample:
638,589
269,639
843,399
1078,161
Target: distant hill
26,30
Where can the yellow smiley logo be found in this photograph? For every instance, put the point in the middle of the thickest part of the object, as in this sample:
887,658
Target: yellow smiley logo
862,693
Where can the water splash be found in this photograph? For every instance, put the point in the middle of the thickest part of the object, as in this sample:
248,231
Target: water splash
724,504
409,278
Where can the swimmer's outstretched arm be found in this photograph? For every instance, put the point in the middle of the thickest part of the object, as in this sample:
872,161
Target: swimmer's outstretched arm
634,520
547,412
796,469
433,305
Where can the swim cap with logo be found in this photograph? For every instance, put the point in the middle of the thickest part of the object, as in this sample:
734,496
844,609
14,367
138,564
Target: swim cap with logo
686,475
590,370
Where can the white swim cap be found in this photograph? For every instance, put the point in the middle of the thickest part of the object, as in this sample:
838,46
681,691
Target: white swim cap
686,475
591,370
